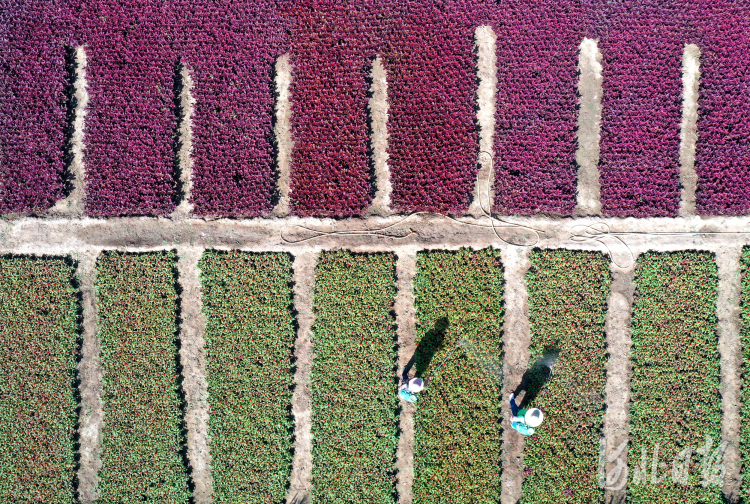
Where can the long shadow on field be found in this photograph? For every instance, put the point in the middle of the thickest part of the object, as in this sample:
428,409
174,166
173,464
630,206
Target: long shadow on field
428,346
537,376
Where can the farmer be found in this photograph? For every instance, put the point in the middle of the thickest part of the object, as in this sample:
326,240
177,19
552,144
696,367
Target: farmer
524,420
409,389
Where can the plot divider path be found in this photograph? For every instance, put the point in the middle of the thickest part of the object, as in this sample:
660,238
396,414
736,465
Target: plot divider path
193,360
90,375
730,349
516,340
405,327
619,370
304,281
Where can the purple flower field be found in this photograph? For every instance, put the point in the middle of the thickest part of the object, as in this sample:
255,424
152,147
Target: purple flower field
135,50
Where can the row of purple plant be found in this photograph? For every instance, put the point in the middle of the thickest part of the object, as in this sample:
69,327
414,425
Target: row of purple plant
137,49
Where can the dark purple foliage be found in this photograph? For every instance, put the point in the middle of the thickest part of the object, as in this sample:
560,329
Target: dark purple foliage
642,49
231,50
333,43
32,106
723,148
537,52
433,140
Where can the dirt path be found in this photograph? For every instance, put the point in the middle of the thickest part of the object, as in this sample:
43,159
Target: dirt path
378,124
619,370
516,339
730,348
589,117
185,142
282,131
193,361
90,375
405,323
304,278
688,128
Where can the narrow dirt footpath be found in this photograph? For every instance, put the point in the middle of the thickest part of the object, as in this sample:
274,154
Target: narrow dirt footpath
304,282
619,370
405,323
516,339
193,361
90,375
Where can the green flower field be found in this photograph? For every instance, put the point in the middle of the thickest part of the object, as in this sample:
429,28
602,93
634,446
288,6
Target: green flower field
142,438
568,293
675,414
458,296
250,306
39,346
354,402
247,301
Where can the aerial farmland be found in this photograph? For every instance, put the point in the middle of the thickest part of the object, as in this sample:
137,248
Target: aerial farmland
314,251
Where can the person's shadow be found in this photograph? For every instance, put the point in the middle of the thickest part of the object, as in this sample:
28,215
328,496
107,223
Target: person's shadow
428,346
536,377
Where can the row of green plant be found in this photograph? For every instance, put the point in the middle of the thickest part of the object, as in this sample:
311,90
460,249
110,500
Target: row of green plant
568,293
745,335
675,411
458,298
354,402
38,348
249,340
142,437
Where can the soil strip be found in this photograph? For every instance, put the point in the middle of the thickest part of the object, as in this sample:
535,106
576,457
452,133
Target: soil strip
589,119
617,388
688,128
483,194
283,133
184,142
193,361
516,340
730,349
378,106
90,375
405,323
73,204
304,283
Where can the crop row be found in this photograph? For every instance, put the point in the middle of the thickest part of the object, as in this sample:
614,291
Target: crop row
136,51
38,349
745,335
568,293
249,338
458,297
354,401
675,413
142,438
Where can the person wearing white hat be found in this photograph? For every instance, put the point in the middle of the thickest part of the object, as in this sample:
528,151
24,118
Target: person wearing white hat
524,420
409,390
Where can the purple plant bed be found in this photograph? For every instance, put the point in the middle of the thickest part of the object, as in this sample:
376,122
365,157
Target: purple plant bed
333,44
433,140
535,141
231,51
641,109
723,146
32,107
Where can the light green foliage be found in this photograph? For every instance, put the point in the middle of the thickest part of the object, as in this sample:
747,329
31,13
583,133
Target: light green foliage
745,435
38,345
142,441
458,295
567,308
675,401
249,341
354,399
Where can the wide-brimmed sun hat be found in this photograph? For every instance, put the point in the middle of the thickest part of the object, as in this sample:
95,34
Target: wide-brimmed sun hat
415,385
533,417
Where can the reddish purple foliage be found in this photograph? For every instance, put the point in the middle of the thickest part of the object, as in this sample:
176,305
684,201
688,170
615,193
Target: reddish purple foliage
641,108
723,147
433,140
131,118
537,50
333,43
231,49
32,106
